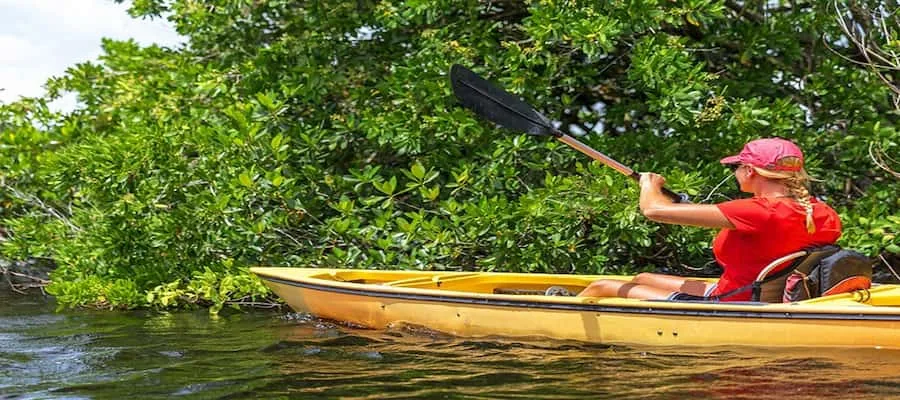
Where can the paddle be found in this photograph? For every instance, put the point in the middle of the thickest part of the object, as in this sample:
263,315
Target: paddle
506,110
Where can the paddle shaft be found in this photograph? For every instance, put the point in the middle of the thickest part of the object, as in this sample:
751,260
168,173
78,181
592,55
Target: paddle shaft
609,162
603,158
501,107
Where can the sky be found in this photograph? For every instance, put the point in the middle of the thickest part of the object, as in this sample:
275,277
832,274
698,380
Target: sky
39,39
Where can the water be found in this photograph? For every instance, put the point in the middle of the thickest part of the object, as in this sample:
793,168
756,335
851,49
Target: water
280,355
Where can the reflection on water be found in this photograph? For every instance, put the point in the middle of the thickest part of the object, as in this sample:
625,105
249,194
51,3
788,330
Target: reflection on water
145,355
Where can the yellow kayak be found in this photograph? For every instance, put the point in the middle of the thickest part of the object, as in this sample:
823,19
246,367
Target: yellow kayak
480,304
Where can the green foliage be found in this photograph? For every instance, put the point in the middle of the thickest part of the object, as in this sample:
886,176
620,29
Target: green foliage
98,292
210,289
325,134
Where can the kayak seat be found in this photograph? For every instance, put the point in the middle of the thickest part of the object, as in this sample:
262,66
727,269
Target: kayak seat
841,271
814,272
769,284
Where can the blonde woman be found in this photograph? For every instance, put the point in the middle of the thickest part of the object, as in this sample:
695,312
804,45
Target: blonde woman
779,219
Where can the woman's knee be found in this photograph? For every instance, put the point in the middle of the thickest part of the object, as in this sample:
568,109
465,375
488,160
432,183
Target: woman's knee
601,288
645,278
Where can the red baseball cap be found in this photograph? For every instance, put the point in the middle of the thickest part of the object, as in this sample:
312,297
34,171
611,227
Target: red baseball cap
774,154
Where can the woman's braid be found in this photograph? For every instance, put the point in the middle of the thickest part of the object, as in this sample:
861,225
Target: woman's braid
798,191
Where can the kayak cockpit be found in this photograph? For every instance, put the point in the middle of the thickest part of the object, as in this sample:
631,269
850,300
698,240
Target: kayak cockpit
470,282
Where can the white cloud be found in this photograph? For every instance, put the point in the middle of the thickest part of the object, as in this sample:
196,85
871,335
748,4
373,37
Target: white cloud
39,39
15,50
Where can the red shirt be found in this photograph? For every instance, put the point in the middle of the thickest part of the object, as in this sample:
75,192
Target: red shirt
765,229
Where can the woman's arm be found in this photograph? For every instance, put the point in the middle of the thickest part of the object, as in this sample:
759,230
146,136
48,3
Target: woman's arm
658,207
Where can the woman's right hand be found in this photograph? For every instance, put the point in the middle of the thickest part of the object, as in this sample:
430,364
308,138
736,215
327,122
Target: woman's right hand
649,180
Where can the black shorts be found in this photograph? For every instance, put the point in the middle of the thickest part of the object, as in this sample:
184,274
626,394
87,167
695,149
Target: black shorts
678,296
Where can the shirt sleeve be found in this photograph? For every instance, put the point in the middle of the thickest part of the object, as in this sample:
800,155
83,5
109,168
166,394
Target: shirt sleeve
748,215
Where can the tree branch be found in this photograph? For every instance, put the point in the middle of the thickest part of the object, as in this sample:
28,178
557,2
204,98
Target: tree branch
864,29
743,11
878,157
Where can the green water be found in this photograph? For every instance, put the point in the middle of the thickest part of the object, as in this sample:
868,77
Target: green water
272,355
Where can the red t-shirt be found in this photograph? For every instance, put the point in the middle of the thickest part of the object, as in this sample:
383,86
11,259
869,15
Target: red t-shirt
765,229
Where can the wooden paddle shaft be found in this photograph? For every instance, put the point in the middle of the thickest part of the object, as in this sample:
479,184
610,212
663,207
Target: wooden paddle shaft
562,137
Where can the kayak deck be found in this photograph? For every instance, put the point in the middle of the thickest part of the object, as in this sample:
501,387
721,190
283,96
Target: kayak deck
525,283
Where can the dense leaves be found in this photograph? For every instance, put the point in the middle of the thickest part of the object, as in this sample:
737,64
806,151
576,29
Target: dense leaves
324,133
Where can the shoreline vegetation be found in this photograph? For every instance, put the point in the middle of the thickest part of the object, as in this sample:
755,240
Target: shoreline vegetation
326,135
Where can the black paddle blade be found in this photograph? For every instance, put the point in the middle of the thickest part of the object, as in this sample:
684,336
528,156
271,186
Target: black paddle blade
497,105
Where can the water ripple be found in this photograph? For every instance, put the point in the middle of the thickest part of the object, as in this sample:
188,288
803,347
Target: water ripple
260,355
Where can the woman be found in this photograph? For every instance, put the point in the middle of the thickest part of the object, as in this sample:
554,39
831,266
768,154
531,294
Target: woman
779,219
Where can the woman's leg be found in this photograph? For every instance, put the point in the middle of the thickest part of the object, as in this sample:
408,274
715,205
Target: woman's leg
647,286
673,283
631,290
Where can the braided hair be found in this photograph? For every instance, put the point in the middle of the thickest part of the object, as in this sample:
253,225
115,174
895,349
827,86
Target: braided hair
797,184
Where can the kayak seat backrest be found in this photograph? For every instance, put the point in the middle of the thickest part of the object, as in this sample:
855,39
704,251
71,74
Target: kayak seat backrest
840,271
813,272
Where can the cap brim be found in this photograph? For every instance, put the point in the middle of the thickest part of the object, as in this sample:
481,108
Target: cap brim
731,160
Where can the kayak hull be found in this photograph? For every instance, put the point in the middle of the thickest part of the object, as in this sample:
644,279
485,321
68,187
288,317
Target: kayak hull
461,304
